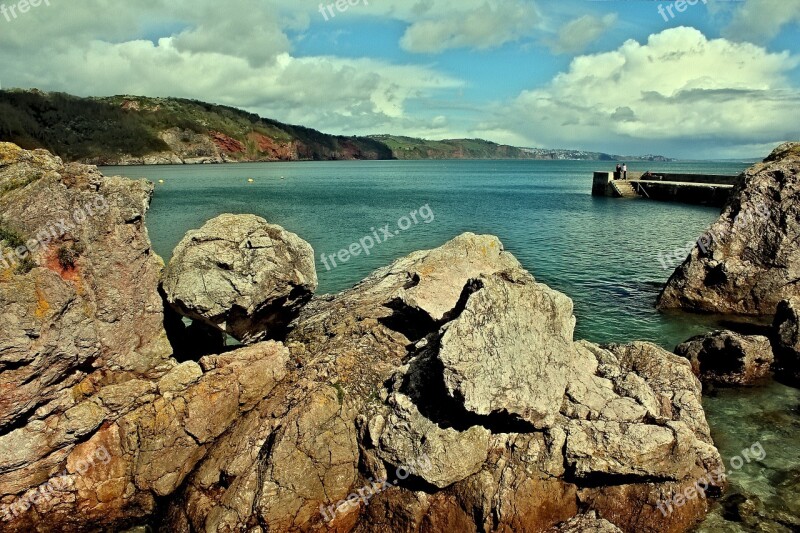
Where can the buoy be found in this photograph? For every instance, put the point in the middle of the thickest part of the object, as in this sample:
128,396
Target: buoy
250,180
161,181
283,178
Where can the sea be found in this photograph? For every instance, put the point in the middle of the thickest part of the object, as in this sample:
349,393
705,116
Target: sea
611,256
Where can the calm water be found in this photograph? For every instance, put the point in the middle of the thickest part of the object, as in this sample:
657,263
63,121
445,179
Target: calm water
601,252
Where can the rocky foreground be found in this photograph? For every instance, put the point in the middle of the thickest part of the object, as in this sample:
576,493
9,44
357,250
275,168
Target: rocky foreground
443,393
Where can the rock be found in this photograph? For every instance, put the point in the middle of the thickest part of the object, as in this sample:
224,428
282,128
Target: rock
241,275
98,421
370,417
496,359
82,337
585,523
786,326
404,436
373,357
595,447
180,377
728,358
749,259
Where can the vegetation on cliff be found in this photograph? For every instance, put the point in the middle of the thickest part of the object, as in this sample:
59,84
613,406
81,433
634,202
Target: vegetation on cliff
142,130
111,129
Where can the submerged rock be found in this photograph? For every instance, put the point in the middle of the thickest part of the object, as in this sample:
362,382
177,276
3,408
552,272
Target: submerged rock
728,358
749,260
241,275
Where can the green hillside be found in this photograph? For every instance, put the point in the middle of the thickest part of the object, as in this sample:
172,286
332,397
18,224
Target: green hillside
108,128
124,130
411,148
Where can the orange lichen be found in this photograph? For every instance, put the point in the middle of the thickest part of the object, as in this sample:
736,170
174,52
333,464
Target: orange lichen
42,305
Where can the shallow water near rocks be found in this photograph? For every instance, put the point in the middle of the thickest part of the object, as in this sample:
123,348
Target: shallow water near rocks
603,253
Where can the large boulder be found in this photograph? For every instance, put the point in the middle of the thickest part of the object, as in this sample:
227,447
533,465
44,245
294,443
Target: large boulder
728,358
241,275
786,328
496,359
749,260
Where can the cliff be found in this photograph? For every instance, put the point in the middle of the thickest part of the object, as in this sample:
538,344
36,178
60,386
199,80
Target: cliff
126,130
129,130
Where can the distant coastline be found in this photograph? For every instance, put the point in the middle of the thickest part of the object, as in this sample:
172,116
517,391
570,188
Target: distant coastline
135,130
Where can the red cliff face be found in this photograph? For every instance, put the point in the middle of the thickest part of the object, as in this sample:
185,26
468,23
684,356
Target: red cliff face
227,144
274,150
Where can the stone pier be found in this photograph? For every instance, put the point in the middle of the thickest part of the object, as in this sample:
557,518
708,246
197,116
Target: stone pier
703,189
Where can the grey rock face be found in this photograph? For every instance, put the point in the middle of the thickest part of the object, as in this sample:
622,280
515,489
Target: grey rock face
241,275
750,258
405,436
624,416
498,358
728,358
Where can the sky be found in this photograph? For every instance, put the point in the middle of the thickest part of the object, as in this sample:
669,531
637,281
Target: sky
718,79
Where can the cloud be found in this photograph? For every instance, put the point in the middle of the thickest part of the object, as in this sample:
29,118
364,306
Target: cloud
489,24
761,20
238,57
578,34
679,87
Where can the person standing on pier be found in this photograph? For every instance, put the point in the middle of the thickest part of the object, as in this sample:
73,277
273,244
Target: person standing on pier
618,173
624,171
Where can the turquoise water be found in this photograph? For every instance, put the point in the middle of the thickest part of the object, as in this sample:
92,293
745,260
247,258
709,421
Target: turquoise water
601,252
744,419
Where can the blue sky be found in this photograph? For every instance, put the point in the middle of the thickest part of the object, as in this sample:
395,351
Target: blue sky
721,79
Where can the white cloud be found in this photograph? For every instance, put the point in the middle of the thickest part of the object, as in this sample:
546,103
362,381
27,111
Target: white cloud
241,57
677,86
680,87
761,20
576,35
468,24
